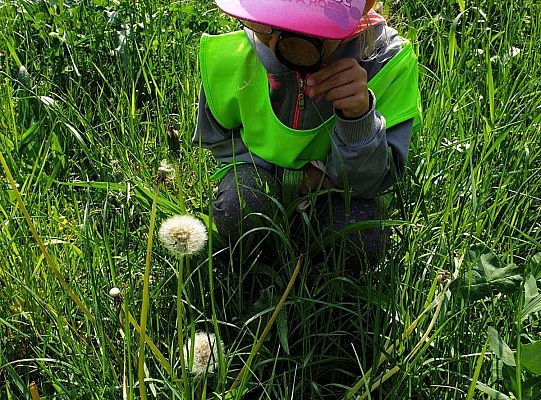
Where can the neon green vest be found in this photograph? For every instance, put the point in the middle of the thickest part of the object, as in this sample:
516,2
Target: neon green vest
237,92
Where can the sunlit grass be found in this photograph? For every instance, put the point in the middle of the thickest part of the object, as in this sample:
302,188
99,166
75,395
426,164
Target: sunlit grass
109,90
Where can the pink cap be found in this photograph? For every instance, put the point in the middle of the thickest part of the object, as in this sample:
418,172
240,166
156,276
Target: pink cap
328,19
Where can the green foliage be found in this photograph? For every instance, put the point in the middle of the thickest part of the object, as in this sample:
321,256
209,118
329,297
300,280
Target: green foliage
530,360
531,357
500,348
94,94
484,275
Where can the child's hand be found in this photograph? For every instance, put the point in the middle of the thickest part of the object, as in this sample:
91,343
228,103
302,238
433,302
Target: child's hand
344,83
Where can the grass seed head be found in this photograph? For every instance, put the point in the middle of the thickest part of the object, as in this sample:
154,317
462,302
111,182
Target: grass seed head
205,353
183,235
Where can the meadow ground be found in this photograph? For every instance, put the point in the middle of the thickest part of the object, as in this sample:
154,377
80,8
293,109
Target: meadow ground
94,94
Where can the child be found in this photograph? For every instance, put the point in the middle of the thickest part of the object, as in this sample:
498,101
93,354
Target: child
313,94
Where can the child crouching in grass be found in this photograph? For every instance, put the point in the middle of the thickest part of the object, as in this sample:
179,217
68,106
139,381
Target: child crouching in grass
311,95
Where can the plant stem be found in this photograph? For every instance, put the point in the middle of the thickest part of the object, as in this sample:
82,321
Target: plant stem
180,330
437,302
266,331
145,304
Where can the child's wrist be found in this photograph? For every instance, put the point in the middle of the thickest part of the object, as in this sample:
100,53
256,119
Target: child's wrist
359,131
351,115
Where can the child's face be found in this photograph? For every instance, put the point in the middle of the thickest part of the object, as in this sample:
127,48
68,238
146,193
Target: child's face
270,39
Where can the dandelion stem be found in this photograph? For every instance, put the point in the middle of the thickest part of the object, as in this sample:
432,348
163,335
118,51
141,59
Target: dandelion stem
266,331
145,305
180,330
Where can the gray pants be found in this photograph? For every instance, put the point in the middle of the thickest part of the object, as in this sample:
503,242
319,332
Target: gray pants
247,192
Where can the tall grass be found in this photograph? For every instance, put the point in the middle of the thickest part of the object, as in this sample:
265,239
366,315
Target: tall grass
94,94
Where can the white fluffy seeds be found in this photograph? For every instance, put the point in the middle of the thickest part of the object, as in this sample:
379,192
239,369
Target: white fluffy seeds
205,353
183,235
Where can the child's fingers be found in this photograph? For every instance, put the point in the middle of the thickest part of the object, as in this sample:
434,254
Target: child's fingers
330,70
352,99
345,91
334,76
332,82
337,67
352,106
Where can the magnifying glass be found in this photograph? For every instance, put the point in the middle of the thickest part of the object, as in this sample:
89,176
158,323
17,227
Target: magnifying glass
298,52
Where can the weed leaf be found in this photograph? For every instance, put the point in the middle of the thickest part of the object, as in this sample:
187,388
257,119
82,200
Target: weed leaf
493,393
500,348
530,289
281,325
530,357
535,265
485,275
531,307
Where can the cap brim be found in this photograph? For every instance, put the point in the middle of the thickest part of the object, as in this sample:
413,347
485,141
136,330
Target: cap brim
328,19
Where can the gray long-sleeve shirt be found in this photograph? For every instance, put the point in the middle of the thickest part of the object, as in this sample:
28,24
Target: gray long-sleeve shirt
359,152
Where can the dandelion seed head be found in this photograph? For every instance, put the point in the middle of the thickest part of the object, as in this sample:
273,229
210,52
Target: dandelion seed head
165,167
165,173
183,235
205,353
114,292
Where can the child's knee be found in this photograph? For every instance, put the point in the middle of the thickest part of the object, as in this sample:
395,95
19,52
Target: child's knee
242,194
365,245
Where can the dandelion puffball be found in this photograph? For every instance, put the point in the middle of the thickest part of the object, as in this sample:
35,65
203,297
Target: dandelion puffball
166,172
114,292
183,235
205,353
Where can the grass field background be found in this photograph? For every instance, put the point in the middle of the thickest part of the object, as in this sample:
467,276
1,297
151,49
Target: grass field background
95,94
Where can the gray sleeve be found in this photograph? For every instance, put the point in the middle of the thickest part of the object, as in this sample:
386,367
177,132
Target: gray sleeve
226,145
364,153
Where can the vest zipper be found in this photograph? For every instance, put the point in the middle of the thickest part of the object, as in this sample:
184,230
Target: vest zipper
300,100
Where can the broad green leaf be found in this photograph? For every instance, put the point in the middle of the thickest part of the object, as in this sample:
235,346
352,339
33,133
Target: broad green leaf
531,307
530,289
535,265
530,357
500,348
486,274
493,393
